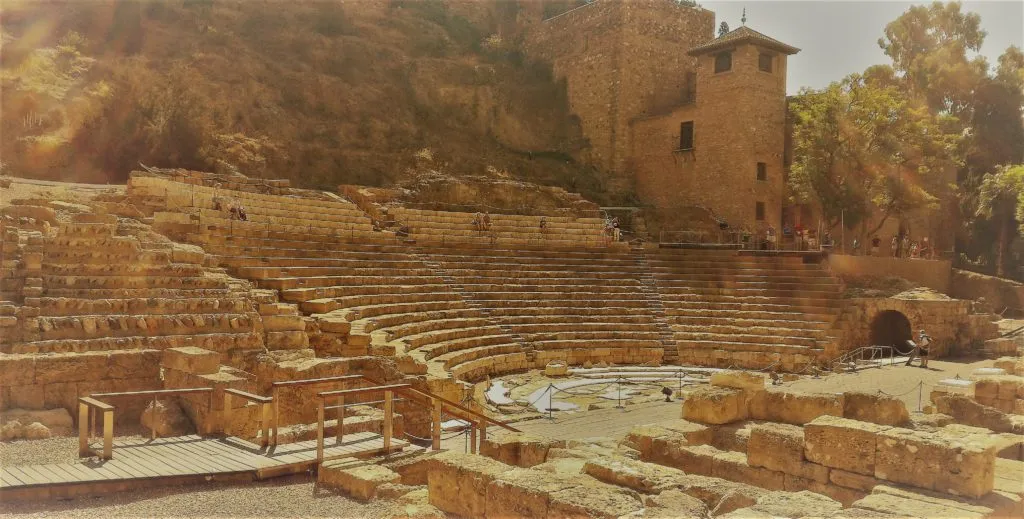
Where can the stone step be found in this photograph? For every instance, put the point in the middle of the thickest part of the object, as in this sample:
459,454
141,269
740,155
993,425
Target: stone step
795,293
88,229
122,269
572,326
376,311
433,350
789,340
135,293
711,318
452,359
562,303
566,281
110,243
130,282
587,344
592,294
396,277
449,334
326,305
570,314
780,331
713,301
106,257
353,267
810,283
220,342
492,365
98,326
524,255
746,310
763,347
341,258
298,295
401,324
597,336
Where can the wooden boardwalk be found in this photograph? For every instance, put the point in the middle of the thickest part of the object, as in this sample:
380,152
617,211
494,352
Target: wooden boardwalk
182,458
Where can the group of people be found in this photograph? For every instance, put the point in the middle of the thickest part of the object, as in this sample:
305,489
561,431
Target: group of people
798,237
612,231
904,247
482,222
235,210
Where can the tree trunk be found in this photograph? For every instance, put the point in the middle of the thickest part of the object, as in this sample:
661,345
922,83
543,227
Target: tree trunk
1002,245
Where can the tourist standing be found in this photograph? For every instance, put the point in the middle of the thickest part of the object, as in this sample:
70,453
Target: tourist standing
876,242
923,342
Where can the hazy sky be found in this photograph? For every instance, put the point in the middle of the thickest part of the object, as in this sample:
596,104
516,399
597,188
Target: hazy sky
837,38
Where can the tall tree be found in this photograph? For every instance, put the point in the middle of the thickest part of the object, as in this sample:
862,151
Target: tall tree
863,147
1001,200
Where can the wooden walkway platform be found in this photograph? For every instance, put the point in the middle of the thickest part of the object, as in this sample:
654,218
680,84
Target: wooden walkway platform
142,462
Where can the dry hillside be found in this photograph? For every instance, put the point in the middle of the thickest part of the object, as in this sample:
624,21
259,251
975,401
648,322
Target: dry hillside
322,93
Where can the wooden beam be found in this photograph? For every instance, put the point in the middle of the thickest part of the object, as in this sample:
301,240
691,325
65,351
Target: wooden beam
361,390
165,392
108,434
277,410
320,432
472,438
92,402
83,430
464,409
265,424
388,419
227,413
435,425
309,381
341,418
249,396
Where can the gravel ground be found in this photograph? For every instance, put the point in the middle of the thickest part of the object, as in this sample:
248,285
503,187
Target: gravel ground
283,497
39,452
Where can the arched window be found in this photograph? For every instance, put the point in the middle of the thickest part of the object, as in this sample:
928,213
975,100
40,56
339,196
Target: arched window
723,62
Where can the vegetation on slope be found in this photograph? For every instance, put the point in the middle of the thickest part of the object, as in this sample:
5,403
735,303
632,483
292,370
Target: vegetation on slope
322,93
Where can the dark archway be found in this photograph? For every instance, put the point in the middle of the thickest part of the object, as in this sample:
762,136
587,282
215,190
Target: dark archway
891,328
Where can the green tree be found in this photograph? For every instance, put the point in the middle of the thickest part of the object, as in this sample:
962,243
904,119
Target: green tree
864,147
1001,200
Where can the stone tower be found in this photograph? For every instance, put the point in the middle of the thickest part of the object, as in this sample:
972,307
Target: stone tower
621,60
741,79
724,149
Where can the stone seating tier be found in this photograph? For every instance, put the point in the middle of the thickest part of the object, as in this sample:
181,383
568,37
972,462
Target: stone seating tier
352,303
220,342
60,306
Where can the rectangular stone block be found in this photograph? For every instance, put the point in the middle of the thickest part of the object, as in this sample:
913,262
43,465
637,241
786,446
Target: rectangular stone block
715,405
360,482
594,499
190,359
733,466
850,480
841,443
735,379
70,367
17,370
944,461
525,493
518,449
290,340
776,447
458,482
792,406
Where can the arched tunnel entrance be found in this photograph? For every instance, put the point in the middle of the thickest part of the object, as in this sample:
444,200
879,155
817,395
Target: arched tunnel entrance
891,328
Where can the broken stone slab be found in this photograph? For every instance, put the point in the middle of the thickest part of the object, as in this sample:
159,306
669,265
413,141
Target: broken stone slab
648,478
954,461
360,481
673,503
519,449
653,441
531,493
736,379
901,503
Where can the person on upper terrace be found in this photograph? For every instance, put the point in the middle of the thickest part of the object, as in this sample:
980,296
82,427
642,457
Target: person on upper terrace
478,221
487,220
241,214
616,231
876,242
543,223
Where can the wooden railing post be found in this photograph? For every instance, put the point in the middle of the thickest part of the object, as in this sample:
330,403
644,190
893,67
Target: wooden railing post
108,434
265,424
435,426
320,431
277,413
83,430
472,438
152,423
341,418
388,416
483,431
227,414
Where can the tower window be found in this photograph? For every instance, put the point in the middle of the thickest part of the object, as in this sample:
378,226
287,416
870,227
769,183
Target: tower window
723,62
762,171
759,211
764,62
686,135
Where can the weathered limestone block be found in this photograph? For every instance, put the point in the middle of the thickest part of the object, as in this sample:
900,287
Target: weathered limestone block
458,482
17,370
901,503
875,408
842,443
519,449
796,504
35,431
532,493
715,405
720,495
674,503
413,505
654,442
965,410
697,459
948,461
287,340
12,430
57,420
70,367
183,253
360,481
134,364
284,323
793,407
780,447
190,359
167,419
850,480
594,499
846,496
736,379
648,478
733,466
